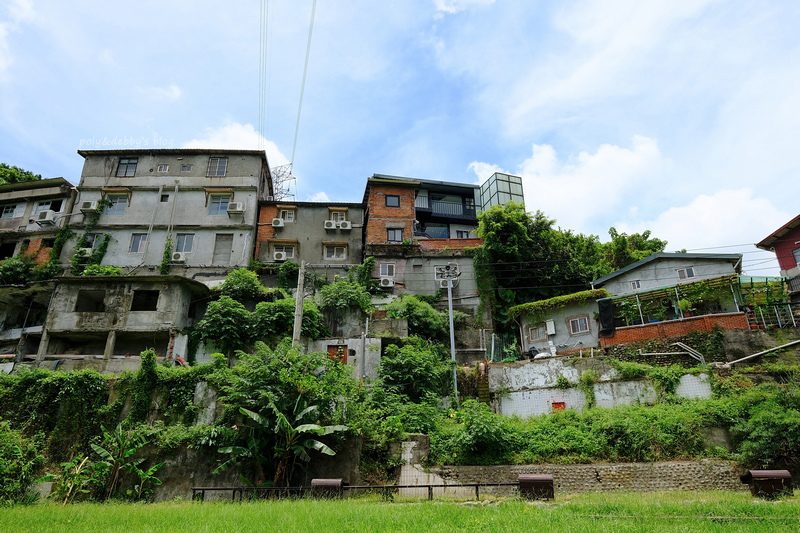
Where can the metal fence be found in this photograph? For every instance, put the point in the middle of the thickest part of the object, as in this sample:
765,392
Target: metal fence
773,316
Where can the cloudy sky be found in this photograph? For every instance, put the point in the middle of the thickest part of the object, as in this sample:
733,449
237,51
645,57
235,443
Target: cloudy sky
678,116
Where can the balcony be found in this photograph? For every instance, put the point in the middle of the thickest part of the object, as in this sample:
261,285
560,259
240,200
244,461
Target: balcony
441,208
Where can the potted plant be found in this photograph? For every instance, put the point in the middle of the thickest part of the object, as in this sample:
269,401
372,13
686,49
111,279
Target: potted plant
686,307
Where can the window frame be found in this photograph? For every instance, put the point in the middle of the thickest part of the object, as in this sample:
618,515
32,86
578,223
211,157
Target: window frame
217,167
796,255
391,231
462,234
287,215
180,243
338,216
393,197
215,203
541,327
287,249
334,248
140,239
5,208
385,272
186,168
95,238
636,284
126,168
46,205
143,298
683,273
579,320
115,200
162,168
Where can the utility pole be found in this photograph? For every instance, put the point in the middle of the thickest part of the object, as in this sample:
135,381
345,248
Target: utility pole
298,308
449,272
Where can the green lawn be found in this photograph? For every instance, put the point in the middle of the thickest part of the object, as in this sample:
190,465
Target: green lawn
673,511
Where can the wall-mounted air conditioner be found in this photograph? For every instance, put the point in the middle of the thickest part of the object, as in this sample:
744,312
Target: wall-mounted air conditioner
551,327
345,225
442,283
47,217
330,224
277,222
387,282
279,256
178,257
235,208
88,207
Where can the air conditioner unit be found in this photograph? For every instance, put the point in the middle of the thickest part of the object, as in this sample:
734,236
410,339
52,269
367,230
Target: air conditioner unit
345,225
277,222
330,224
270,198
387,282
46,217
235,208
442,283
178,257
88,207
279,256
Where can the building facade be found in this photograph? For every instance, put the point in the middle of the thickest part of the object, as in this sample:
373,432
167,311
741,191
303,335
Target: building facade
785,242
204,203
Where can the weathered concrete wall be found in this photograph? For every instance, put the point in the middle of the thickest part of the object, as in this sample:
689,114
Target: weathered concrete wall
371,354
663,272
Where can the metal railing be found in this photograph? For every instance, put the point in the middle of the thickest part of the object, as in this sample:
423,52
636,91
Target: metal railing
443,207
773,316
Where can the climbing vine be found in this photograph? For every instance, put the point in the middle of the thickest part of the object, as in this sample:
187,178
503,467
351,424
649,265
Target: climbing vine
166,259
80,259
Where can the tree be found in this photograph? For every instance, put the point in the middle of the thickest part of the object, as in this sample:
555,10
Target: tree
226,325
416,370
14,174
626,249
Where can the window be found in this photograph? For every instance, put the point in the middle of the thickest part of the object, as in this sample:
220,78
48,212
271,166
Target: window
219,204
685,273
636,285
392,200
795,253
145,301
217,166
138,241
7,249
127,167
578,325
48,243
335,252
387,270
163,168
186,168
93,240
462,234
8,211
44,205
165,197
287,215
90,302
537,332
184,242
394,235
286,249
338,216
117,205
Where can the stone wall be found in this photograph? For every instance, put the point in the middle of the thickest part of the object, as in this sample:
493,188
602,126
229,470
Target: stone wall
705,474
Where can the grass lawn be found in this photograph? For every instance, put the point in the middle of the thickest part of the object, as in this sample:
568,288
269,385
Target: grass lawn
672,511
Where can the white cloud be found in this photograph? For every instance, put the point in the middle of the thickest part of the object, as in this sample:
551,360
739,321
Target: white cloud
576,190
454,6
18,11
718,223
483,171
319,197
170,92
239,136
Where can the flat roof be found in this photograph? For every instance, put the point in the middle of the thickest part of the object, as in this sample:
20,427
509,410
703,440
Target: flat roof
175,151
34,184
732,258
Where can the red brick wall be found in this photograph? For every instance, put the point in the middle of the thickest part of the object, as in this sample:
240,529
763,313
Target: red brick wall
265,230
379,214
783,249
454,244
675,328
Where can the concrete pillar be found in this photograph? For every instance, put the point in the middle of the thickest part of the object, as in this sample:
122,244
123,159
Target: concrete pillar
20,352
110,343
43,344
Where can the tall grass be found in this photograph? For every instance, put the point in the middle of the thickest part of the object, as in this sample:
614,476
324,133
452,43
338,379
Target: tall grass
703,512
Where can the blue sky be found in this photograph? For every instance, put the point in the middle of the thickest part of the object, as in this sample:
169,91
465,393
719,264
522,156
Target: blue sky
681,117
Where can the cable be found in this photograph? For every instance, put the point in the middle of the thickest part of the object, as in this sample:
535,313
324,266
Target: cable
303,85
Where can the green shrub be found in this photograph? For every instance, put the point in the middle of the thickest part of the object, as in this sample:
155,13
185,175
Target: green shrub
19,463
342,295
416,370
16,270
423,320
242,285
98,270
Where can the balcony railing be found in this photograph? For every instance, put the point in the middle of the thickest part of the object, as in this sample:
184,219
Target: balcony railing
444,208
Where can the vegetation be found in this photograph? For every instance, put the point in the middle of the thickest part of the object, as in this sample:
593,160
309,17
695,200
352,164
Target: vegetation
416,370
423,320
98,270
536,311
344,294
14,174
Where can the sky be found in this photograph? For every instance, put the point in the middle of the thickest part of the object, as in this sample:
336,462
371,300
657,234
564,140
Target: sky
681,117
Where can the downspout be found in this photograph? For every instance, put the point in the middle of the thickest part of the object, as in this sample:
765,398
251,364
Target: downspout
639,304
677,302
149,231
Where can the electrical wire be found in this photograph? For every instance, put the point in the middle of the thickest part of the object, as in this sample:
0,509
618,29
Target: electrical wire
303,84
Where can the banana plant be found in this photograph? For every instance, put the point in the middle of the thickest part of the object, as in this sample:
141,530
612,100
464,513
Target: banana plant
120,445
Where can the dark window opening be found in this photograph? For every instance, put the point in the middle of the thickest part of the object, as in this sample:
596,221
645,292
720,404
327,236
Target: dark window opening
145,301
392,200
165,197
91,302
48,243
7,249
127,167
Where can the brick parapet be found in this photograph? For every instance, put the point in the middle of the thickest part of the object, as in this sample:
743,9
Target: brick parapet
676,328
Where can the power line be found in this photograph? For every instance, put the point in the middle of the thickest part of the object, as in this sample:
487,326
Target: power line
303,84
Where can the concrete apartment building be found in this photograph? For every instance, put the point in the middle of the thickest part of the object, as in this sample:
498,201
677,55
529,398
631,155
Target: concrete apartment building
205,200
326,235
